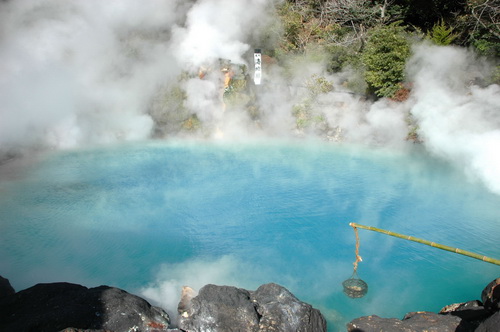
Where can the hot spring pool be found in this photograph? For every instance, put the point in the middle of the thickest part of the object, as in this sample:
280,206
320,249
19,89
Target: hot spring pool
152,217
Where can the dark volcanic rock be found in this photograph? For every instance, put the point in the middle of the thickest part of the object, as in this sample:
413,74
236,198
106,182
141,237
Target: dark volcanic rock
58,306
270,308
280,310
429,321
472,312
491,296
5,287
219,308
413,322
71,329
491,324
374,323
459,317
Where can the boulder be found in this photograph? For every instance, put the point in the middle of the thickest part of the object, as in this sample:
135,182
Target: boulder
472,312
280,310
71,329
374,323
270,308
59,306
470,316
491,296
219,308
5,287
412,322
490,324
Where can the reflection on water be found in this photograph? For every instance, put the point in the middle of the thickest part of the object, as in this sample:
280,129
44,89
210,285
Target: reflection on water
152,217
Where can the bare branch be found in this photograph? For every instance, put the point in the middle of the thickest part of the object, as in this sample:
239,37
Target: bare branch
487,14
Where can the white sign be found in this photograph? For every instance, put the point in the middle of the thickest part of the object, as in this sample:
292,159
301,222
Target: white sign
257,56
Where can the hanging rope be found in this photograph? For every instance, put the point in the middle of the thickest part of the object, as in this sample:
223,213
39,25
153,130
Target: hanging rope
355,287
358,257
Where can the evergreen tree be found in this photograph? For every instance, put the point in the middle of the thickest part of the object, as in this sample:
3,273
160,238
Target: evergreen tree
384,58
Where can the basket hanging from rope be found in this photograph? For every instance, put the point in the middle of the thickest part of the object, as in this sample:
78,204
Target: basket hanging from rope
354,287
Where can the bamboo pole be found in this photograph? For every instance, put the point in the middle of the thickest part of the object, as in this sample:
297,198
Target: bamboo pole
429,243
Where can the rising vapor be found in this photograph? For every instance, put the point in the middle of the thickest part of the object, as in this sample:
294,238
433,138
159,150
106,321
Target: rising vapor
78,73
458,114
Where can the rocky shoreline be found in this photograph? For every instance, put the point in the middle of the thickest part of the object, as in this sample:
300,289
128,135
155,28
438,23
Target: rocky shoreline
74,308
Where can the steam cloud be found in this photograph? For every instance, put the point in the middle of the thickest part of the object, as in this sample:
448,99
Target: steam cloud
459,120
227,270
76,73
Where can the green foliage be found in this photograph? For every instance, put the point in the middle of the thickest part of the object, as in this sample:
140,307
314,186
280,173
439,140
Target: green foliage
356,82
384,58
305,27
485,44
441,34
192,123
495,76
413,129
340,57
307,117
291,21
167,108
318,85
479,27
302,114
237,93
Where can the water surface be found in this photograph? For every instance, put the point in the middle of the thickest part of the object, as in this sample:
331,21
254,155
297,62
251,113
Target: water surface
151,217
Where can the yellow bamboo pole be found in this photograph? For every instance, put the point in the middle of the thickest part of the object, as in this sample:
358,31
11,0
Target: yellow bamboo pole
429,243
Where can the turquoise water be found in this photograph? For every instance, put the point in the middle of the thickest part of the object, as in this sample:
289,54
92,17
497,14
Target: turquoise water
152,216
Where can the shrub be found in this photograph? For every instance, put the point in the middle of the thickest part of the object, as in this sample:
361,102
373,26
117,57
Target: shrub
341,56
441,34
384,58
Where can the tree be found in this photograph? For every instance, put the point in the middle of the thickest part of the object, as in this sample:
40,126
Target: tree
481,25
486,13
424,14
384,58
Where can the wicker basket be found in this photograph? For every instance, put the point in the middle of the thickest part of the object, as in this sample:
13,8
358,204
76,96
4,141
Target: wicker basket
355,287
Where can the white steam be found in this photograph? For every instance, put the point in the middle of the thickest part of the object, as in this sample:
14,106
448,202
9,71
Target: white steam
84,72
458,119
227,270
78,72
88,72
217,29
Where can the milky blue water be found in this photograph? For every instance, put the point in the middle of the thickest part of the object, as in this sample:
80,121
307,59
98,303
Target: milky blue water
154,215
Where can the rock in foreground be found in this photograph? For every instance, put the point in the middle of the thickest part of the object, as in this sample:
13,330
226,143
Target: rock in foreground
57,306
69,307
472,316
270,308
5,287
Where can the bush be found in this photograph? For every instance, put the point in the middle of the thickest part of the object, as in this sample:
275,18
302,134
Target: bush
291,21
167,109
441,34
341,57
384,58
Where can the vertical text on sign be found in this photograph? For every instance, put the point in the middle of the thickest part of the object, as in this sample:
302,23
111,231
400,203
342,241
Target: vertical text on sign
257,56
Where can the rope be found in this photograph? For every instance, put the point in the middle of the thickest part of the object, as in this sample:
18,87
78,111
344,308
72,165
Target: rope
358,257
